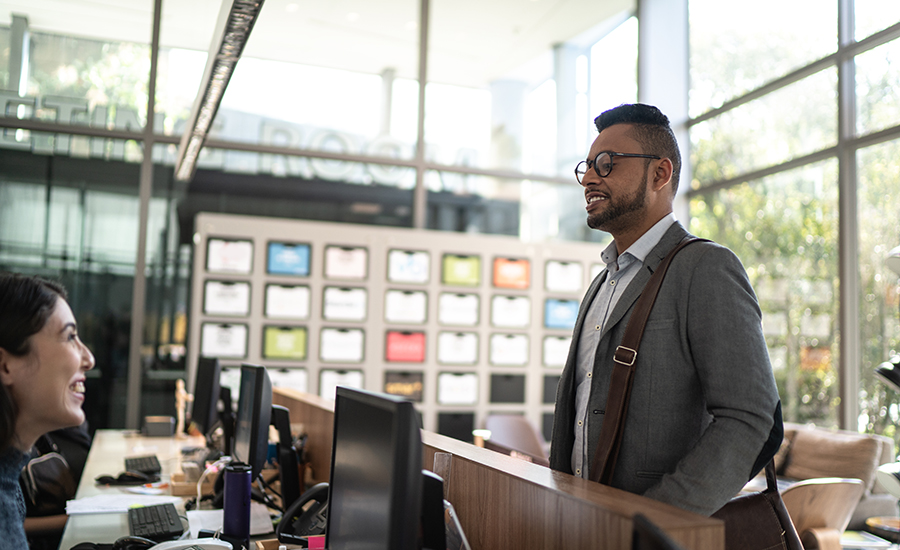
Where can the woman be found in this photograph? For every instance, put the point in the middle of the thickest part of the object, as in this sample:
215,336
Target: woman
42,374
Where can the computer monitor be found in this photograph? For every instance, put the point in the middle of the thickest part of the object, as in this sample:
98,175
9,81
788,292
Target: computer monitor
204,411
251,433
375,492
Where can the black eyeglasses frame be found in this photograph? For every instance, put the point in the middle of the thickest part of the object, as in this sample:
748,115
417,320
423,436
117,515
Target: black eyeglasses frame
579,172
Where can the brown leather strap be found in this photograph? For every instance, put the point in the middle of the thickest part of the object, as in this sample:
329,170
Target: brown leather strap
604,462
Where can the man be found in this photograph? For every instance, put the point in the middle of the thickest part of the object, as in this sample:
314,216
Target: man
704,414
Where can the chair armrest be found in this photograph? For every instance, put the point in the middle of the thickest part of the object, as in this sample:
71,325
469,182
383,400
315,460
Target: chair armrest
821,539
45,524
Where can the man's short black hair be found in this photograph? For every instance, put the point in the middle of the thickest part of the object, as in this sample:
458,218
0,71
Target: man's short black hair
650,128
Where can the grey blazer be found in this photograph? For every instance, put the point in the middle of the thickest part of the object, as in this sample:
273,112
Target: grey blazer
704,396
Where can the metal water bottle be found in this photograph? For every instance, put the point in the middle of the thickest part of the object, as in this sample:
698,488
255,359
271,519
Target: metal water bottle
236,508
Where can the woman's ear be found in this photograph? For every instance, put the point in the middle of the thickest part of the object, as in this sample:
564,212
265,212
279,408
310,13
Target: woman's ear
7,367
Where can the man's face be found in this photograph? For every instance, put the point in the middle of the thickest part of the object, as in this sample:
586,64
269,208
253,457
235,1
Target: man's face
617,201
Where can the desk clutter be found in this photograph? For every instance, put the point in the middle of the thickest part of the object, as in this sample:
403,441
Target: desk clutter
259,487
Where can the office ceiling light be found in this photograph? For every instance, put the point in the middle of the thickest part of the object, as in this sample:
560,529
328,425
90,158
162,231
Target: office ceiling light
236,19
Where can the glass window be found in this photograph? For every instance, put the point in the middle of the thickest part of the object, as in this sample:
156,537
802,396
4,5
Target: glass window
77,80
330,73
309,189
533,211
878,201
4,58
872,16
738,49
539,132
784,228
767,131
458,125
178,81
877,82
76,220
614,69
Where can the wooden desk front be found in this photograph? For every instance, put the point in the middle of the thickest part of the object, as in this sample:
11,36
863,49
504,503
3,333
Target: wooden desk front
508,504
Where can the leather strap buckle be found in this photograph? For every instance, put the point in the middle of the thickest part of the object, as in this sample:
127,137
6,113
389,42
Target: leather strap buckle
625,359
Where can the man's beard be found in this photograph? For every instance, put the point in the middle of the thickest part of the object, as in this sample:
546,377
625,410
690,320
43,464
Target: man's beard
612,217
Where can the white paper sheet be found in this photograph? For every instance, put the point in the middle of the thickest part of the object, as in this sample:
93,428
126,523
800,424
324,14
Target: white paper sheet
405,306
287,302
510,311
458,309
344,304
223,340
329,380
458,348
341,345
457,389
346,262
509,349
226,298
229,256
407,266
556,350
563,276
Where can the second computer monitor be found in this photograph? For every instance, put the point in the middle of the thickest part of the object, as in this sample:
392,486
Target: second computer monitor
204,411
251,433
375,493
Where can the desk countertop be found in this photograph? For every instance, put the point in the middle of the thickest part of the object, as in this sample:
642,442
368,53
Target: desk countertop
108,452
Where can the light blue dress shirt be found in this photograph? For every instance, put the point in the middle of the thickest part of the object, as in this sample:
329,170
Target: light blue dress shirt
620,270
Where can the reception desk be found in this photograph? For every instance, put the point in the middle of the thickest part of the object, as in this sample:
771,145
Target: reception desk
504,503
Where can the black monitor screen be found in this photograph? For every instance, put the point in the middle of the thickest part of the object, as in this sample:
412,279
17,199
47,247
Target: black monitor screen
204,412
375,493
251,432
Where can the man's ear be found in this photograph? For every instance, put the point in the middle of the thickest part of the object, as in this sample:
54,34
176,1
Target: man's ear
662,175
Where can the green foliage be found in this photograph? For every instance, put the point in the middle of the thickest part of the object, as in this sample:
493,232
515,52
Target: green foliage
785,230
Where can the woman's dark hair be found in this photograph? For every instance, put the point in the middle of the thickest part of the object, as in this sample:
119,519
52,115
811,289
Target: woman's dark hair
25,305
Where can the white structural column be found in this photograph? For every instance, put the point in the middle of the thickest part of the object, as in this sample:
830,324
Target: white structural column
507,123
663,77
567,150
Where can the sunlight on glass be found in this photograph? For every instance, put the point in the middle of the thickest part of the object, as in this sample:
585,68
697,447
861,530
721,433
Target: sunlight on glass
457,124
877,82
539,146
302,94
739,48
796,120
784,228
878,194
872,16
614,69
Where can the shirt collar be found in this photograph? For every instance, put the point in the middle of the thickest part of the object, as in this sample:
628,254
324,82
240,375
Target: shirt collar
641,247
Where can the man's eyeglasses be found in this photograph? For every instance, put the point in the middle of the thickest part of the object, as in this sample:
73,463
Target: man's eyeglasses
603,163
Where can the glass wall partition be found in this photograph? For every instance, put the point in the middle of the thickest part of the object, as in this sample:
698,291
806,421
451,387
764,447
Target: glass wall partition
768,168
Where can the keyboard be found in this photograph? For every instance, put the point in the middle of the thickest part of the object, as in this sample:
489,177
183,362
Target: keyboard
159,522
145,464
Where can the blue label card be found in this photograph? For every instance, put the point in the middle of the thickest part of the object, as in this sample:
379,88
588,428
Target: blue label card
288,259
560,313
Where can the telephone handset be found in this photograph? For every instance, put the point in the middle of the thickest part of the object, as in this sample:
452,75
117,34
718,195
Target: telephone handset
306,516
194,544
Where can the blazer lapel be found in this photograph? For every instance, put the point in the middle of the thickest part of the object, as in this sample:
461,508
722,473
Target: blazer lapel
582,313
669,240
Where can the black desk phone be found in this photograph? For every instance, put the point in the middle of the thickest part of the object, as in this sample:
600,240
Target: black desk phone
305,517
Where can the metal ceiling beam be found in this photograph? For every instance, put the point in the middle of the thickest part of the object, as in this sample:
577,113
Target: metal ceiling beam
236,20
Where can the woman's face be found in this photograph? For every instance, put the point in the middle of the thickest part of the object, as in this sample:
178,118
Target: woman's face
47,384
